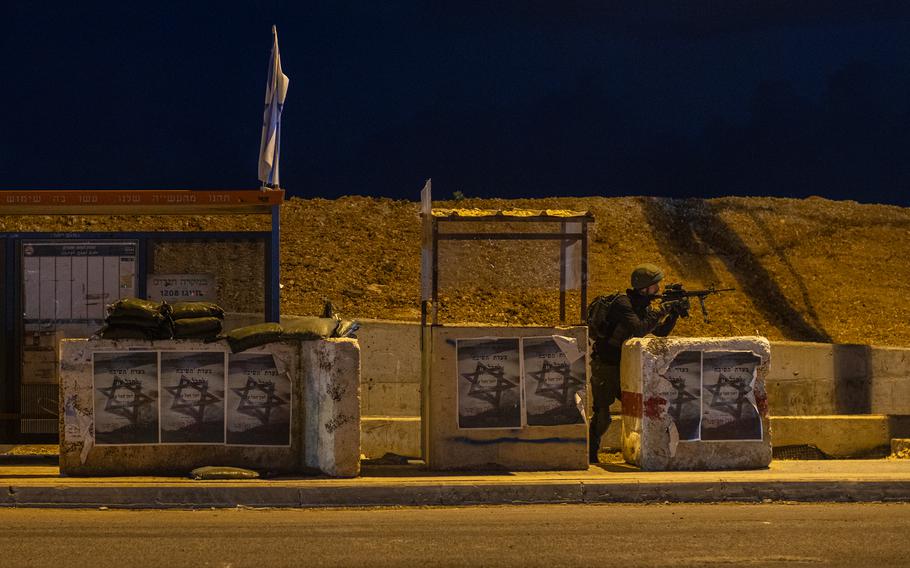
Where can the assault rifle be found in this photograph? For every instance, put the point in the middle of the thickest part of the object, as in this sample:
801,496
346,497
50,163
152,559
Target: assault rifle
675,292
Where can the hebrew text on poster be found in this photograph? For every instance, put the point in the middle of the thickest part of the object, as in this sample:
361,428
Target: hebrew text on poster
125,389
489,383
680,386
258,401
192,397
554,385
729,411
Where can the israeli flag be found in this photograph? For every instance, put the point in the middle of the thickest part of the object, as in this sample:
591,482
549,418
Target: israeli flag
276,89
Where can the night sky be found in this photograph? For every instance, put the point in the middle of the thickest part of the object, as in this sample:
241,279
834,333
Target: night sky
510,99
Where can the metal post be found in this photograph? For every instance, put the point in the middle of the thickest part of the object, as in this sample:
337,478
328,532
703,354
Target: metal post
584,270
435,298
273,290
563,245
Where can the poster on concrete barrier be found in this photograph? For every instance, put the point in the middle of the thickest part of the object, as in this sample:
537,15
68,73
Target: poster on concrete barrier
488,383
258,401
554,381
125,397
729,411
681,387
192,397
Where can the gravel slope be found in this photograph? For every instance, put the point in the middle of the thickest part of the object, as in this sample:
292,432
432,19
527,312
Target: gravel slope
804,269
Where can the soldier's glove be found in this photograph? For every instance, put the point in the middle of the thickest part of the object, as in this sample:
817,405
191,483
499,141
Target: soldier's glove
676,307
682,307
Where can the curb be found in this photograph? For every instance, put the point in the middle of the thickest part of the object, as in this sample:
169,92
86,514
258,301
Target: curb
430,494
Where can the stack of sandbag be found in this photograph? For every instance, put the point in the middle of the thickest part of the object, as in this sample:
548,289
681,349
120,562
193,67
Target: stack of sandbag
308,328
133,318
249,336
196,320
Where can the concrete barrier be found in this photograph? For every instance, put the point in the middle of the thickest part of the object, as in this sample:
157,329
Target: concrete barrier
804,379
390,380
853,436
695,403
812,379
505,398
303,416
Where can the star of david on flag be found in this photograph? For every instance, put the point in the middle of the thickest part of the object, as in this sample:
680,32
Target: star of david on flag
276,89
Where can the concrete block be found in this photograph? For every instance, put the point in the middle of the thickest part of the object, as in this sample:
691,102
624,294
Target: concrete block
390,399
837,436
520,447
899,426
801,396
324,380
900,448
695,403
820,378
332,402
612,439
890,362
390,351
399,435
890,395
81,455
794,359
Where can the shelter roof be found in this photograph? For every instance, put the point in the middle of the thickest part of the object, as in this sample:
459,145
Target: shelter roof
512,214
137,202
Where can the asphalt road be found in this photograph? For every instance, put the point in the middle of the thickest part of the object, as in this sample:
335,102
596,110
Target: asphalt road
550,535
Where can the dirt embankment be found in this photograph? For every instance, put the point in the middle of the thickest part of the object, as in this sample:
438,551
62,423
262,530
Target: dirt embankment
803,269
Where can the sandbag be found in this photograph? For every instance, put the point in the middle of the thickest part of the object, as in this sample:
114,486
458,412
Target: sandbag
138,308
250,336
197,327
310,328
186,310
223,472
346,328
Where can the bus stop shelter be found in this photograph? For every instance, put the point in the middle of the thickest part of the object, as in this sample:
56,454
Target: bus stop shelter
57,284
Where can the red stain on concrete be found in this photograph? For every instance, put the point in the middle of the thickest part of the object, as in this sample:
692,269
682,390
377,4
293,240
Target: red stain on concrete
761,401
631,404
654,406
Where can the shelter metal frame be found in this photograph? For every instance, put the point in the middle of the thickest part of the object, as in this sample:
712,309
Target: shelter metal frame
564,237
129,203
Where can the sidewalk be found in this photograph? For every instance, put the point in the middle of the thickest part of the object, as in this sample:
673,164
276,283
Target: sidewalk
28,484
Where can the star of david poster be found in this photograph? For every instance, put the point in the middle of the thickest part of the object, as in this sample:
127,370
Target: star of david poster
125,396
489,383
728,405
258,402
551,382
192,397
680,386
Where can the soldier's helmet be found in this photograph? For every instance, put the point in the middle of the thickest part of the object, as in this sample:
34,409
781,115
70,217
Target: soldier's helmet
645,275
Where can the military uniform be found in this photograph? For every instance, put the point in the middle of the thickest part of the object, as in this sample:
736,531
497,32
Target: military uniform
629,315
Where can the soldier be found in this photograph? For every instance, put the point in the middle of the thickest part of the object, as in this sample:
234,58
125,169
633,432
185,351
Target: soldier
614,319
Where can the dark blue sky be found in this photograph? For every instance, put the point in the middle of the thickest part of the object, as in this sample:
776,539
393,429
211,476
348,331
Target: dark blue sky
488,98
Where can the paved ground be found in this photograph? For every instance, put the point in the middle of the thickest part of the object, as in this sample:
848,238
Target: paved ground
535,535
831,480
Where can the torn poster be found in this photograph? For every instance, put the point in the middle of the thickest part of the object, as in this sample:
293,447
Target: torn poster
488,383
192,397
729,411
258,402
680,386
125,388
551,381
